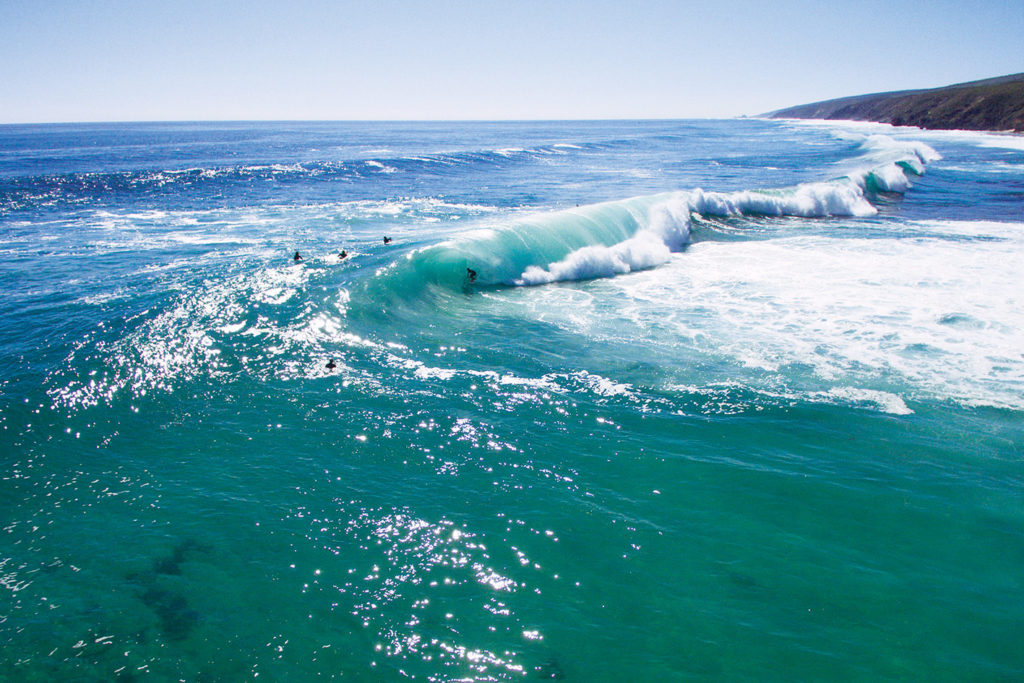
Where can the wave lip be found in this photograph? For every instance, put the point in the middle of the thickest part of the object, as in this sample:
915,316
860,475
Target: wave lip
887,164
658,229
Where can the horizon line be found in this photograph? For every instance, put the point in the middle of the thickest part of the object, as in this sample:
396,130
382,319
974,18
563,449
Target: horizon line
467,120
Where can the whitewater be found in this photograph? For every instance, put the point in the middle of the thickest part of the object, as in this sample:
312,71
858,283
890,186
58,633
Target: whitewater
721,400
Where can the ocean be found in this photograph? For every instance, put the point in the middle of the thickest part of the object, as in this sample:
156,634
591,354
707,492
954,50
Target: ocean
720,400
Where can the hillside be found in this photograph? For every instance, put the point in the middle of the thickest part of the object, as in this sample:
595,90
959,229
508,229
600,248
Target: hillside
995,104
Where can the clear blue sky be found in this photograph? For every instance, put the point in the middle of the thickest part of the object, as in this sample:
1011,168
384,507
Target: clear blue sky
131,60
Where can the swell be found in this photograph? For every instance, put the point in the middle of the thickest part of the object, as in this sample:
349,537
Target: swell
28,191
20,189
638,233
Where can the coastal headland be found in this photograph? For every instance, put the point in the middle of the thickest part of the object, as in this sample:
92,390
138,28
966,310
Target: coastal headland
995,104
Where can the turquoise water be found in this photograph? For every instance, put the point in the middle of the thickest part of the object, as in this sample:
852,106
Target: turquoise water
727,400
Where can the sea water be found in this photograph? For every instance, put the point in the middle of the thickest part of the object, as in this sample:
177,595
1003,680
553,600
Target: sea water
726,400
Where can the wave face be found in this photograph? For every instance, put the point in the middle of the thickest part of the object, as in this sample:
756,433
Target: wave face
584,242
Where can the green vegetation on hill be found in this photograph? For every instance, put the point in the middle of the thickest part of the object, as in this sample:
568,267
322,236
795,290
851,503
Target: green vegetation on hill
994,104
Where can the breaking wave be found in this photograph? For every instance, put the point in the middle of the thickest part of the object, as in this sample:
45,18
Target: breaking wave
618,237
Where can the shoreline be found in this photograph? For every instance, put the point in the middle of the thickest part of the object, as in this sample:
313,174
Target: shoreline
1011,134
993,105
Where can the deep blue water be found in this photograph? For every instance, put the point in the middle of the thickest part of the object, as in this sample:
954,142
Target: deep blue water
726,400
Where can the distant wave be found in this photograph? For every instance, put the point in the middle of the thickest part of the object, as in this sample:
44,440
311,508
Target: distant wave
27,191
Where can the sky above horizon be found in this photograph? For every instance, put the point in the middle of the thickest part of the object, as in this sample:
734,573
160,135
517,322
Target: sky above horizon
118,60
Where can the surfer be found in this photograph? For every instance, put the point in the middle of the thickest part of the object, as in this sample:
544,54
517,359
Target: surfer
386,239
472,274
331,364
343,254
297,258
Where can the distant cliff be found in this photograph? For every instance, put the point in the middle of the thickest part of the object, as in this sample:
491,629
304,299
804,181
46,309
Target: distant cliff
993,104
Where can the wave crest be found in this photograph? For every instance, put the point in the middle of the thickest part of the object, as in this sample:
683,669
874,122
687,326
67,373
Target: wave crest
638,233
